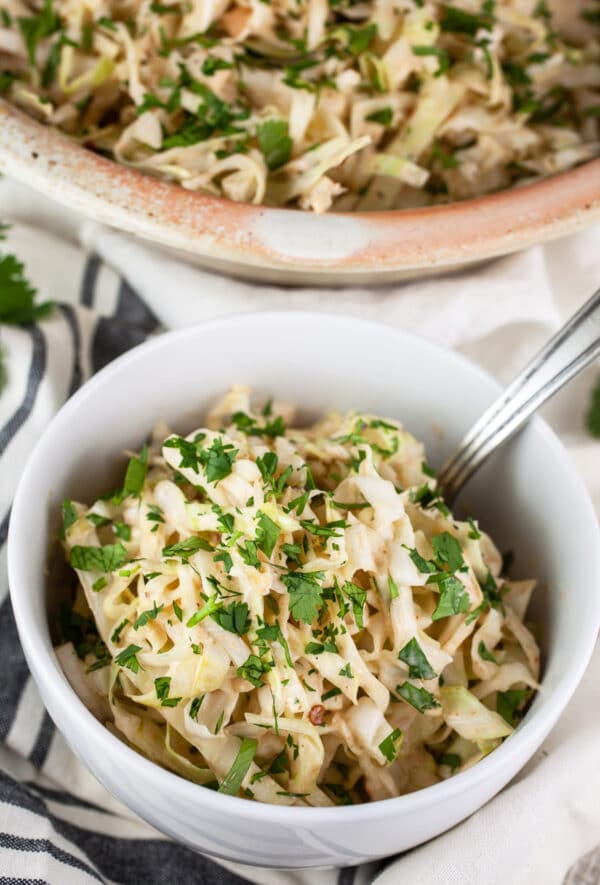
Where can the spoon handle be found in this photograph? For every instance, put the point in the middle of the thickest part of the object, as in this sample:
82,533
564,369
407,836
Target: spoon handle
573,348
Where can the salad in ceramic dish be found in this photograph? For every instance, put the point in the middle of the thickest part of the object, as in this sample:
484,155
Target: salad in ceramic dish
316,104
292,614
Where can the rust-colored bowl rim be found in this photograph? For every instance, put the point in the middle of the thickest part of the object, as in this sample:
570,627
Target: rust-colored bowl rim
373,244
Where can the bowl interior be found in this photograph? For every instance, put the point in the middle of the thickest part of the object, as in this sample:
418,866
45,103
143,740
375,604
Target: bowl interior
528,496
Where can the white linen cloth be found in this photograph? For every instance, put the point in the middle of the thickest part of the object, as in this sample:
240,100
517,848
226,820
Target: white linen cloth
544,827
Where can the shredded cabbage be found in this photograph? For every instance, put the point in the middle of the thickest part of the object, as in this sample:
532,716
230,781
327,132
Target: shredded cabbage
314,104
293,614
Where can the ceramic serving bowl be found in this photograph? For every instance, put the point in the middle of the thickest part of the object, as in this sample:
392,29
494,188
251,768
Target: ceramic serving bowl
528,496
285,245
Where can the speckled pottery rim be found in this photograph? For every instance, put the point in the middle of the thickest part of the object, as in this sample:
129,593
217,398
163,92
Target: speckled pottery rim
287,246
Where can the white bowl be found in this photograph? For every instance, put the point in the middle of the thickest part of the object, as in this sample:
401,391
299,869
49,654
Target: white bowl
529,497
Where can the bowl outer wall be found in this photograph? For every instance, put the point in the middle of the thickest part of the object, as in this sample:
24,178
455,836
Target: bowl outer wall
322,361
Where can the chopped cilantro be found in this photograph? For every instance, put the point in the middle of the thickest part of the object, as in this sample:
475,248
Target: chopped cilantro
149,615
419,698
118,630
122,530
357,597
418,666
592,418
442,57
38,27
485,653
135,474
186,548
233,618
248,552
274,142
474,534
391,744
103,559
453,599
452,760
509,702
128,658
383,116
253,670
448,552
69,515
305,594
267,534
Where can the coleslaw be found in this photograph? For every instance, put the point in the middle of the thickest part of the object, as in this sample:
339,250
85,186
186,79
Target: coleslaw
317,104
293,615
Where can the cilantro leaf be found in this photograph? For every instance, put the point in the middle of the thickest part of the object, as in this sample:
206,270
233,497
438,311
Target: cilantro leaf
17,306
305,594
448,551
383,116
248,552
135,474
425,566
195,707
116,633
453,599
69,515
103,559
474,532
188,450
459,21
224,556
508,703
393,588
37,27
418,666
149,615
186,548
128,658
419,698
273,633
162,686
485,653
233,779
359,39
267,534
390,745
267,464
233,618
357,597
274,142
253,670
592,418
218,460
442,56
453,760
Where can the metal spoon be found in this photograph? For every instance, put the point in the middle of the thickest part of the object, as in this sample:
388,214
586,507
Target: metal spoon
573,348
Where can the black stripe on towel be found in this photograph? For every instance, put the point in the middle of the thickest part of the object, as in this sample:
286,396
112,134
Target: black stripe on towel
126,861
88,283
45,846
130,325
77,371
13,663
38,755
37,368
